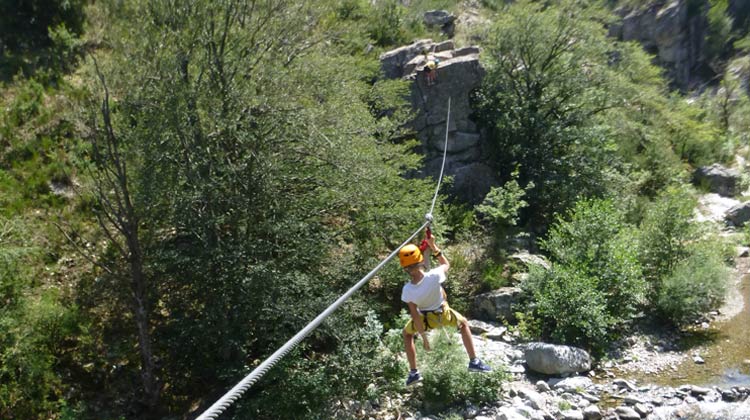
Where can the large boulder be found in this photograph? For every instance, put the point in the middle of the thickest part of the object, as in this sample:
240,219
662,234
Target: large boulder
441,19
554,359
738,215
718,179
496,305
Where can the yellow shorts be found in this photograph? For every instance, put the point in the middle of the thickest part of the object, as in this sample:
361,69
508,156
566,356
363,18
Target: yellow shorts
449,318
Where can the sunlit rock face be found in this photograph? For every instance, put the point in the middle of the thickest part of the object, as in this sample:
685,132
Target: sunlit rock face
458,73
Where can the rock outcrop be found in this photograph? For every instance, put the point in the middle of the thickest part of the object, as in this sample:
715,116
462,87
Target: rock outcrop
458,73
738,215
496,305
718,179
671,30
441,19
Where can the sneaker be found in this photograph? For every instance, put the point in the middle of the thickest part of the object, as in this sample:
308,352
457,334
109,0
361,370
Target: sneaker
413,378
477,365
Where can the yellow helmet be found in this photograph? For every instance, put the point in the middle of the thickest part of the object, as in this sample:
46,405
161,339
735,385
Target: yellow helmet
410,255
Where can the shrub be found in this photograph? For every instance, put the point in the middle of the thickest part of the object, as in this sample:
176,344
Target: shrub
361,366
595,284
386,23
596,240
697,285
446,379
501,206
665,232
568,307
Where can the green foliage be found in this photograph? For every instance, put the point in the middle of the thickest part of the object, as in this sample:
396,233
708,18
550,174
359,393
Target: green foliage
34,332
595,285
597,241
39,37
26,24
447,381
696,285
386,23
262,190
570,306
538,105
26,105
361,366
719,35
665,232
685,267
501,205
495,276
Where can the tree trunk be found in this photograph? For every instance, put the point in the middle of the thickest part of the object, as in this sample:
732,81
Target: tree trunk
142,319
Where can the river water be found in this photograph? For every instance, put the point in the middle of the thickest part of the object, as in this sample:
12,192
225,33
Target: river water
724,346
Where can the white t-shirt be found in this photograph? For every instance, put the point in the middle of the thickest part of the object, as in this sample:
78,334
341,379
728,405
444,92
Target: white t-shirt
427,294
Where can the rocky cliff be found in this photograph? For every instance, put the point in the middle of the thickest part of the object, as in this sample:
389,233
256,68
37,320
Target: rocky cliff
458,73
675,32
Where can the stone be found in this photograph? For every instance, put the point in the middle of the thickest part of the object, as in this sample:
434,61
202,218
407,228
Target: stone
643,409
738,215
627,413
470,412
393,62
444,46
531,259
698,360
590,398
666,30
508,413
484,328
622,383
571,415
575,384
631,400
519,369
553,359
592,412
442,19
533,399
496,305
529,413
729,395
697,390
542,386
718,179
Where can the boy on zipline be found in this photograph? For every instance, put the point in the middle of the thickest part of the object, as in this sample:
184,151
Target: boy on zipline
428,306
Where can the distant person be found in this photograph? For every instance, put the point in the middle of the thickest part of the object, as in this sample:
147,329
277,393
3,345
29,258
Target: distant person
430,68
430,71
428,307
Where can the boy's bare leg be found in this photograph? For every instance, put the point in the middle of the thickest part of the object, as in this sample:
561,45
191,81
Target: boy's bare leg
411,351
466,338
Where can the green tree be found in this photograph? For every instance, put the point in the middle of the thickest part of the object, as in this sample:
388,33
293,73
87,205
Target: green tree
262,169
548,70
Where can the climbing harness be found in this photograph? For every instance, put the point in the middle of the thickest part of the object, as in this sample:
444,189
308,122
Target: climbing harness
236,392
